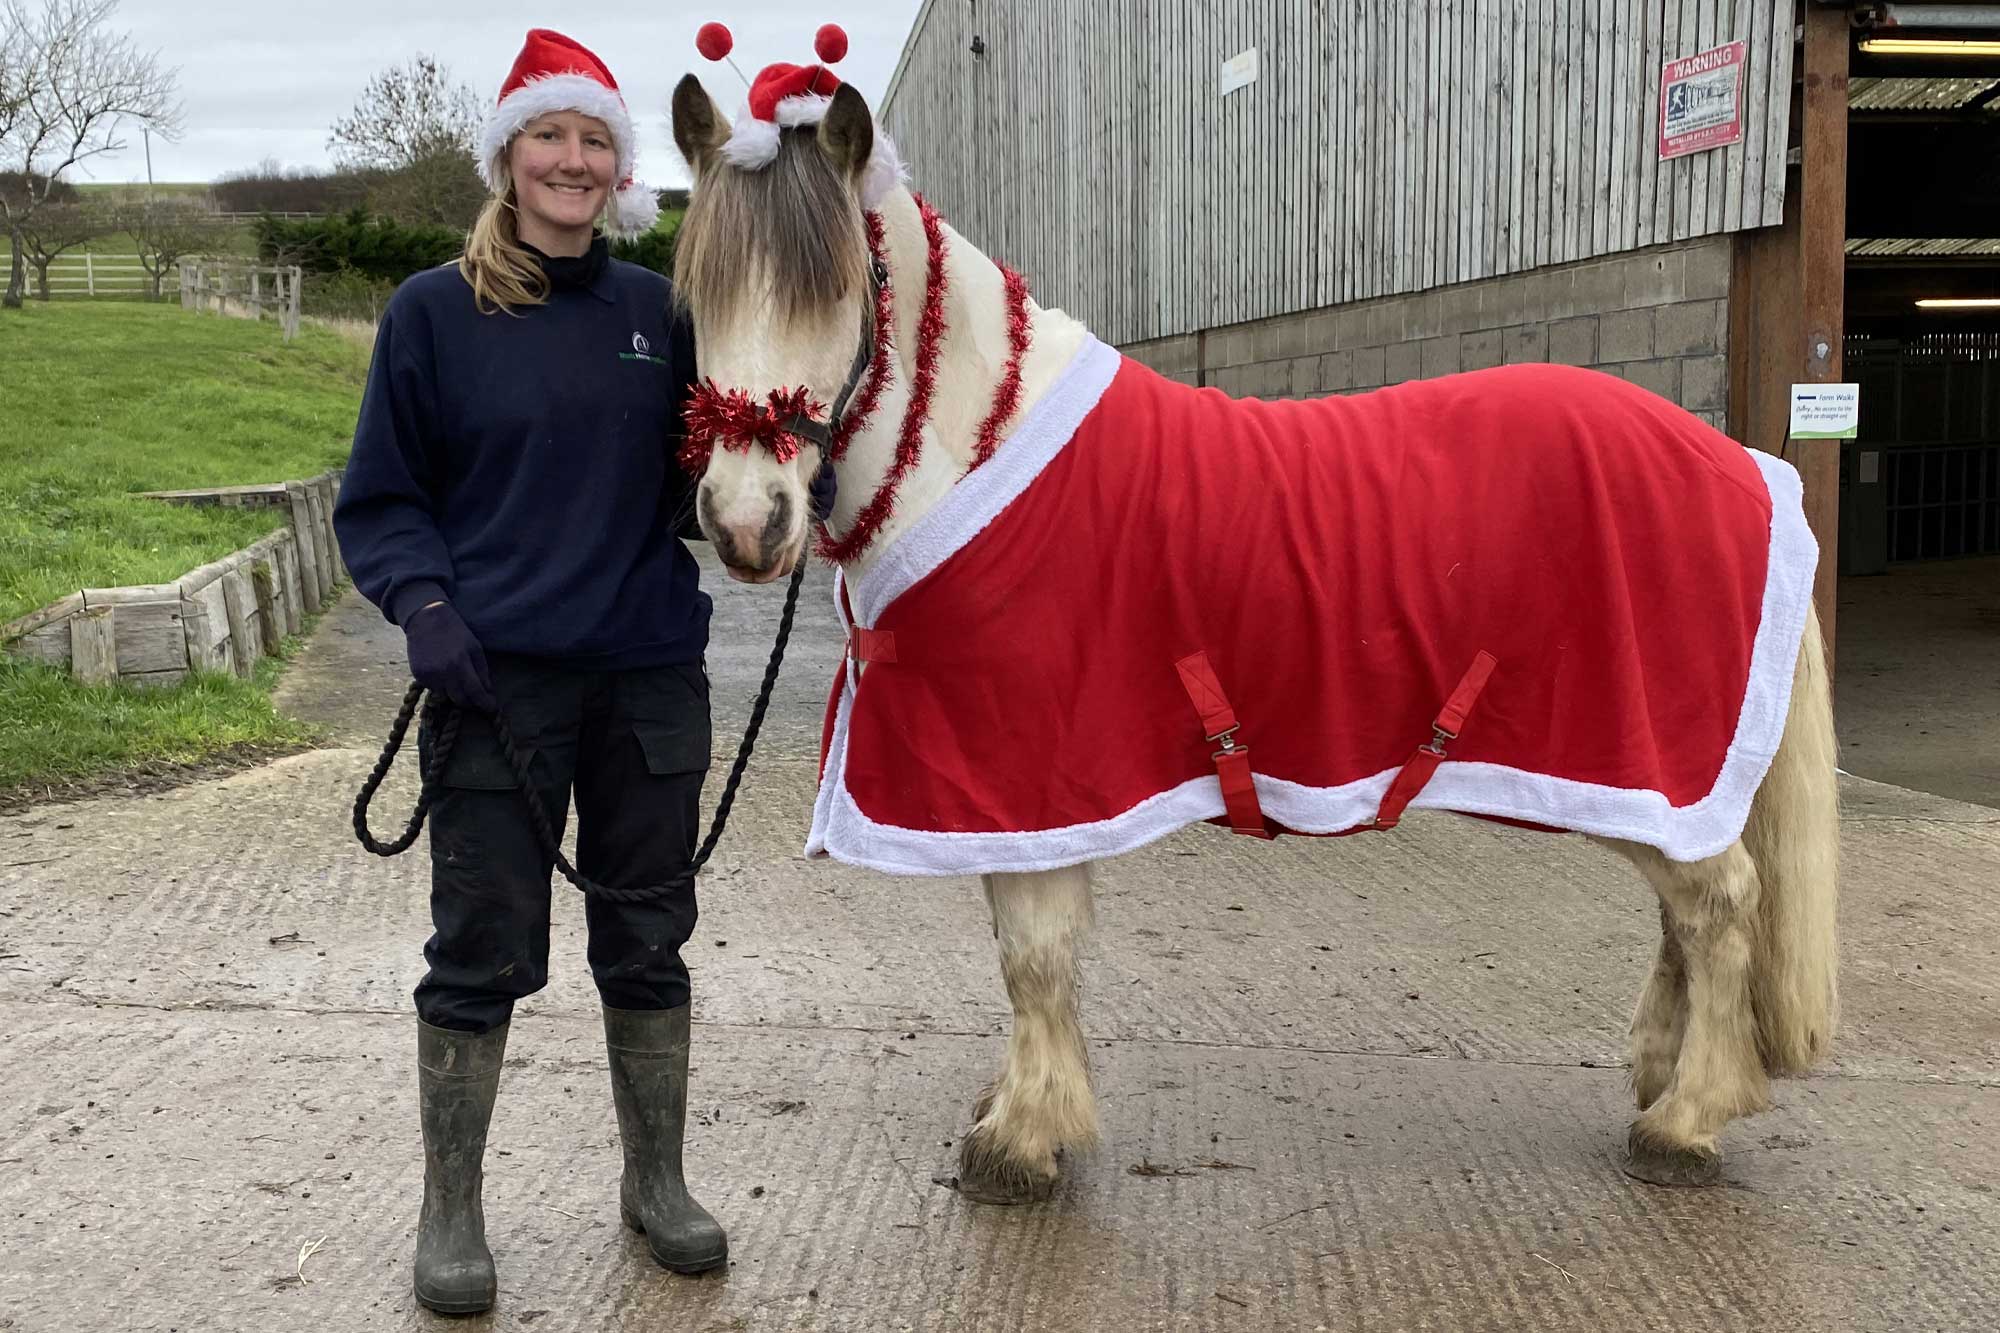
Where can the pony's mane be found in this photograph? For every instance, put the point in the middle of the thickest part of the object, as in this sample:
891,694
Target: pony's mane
793,222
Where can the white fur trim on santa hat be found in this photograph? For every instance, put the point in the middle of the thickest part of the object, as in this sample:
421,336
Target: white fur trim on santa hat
753,145
803,109
537,98
885,170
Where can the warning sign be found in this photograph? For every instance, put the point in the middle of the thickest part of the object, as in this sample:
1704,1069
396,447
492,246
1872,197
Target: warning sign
1701,101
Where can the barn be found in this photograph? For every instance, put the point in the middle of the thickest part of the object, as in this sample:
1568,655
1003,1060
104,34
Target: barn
1726,201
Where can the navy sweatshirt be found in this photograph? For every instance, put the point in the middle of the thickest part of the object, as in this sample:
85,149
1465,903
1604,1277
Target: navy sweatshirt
521,467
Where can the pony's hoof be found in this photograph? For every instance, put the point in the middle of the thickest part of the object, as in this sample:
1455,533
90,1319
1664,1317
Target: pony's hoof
1005,1188
985,1176
1657,1164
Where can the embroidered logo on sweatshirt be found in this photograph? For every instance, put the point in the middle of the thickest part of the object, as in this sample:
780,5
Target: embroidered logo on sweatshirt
642,350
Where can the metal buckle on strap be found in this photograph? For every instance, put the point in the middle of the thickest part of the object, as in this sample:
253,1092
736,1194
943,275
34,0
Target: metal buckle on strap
1226,738
1438,737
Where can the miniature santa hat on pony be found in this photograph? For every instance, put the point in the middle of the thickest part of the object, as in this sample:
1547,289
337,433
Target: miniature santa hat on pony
557,73
785,96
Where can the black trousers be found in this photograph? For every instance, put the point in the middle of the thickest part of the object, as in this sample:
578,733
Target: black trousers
633,748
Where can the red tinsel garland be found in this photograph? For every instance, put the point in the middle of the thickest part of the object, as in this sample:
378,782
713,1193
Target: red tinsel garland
910,439
734,418
863,407
1008,395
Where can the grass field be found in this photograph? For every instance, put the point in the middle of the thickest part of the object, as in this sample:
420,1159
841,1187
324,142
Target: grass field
137,191
235,239
104,399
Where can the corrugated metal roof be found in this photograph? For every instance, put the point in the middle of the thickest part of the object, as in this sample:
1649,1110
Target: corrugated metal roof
1889,248
1914,94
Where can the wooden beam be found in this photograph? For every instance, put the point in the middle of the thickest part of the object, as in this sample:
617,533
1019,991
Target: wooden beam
1822,274
1788,294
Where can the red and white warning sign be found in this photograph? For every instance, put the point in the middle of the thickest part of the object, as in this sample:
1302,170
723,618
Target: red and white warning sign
1701,101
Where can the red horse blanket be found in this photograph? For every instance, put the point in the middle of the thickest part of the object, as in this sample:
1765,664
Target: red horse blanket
1536,594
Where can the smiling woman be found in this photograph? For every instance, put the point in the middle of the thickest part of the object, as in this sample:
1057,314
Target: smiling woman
514,504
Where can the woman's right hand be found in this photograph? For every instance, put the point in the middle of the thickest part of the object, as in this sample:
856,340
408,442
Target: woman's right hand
445,658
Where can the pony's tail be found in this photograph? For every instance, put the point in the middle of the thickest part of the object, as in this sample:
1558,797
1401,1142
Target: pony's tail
1794,836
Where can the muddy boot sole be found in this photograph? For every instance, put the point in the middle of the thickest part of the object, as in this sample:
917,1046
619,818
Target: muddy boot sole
687,1264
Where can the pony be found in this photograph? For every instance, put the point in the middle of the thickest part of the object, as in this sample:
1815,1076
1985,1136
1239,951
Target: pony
787,264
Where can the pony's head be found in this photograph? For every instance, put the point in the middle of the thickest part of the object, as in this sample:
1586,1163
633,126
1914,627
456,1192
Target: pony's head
773,264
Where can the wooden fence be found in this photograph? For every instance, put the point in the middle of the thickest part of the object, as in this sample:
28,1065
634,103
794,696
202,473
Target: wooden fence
91,275
221,617
228,287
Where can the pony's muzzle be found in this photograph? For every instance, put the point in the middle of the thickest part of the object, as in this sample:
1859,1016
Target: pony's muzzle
754,549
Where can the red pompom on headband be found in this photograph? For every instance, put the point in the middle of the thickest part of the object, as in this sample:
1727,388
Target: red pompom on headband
713,41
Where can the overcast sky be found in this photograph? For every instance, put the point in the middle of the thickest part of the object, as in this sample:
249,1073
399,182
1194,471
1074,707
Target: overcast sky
267,80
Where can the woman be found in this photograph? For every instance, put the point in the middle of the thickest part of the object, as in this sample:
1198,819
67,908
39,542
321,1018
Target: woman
512,503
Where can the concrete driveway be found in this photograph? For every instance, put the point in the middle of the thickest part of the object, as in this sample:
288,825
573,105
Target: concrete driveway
1374,1083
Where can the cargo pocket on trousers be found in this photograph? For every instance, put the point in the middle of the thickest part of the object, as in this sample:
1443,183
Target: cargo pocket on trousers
673,747
671,721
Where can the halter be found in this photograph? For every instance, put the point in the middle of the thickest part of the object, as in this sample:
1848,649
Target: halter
788,417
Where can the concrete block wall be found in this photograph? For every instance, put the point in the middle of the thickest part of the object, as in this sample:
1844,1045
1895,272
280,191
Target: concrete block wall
1658,317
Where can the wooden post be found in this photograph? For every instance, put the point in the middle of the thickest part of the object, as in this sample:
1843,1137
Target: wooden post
270,616
89,274
292,329
308,544
1787,294
239,604
329,490
329,563
257,294
93,645
1822,275
290,591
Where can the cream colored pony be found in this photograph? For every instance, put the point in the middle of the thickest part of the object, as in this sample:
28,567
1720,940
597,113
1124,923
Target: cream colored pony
773,265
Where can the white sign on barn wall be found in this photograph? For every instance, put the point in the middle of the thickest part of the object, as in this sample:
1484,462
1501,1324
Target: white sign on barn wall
1239,71
1701,101
1826,412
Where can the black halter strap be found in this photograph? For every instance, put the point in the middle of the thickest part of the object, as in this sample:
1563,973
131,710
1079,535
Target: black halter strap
821,432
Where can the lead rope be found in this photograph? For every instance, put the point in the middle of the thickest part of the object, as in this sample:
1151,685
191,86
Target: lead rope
443,717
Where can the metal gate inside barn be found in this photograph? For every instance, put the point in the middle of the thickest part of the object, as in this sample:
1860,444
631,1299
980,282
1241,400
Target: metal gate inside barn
1923,480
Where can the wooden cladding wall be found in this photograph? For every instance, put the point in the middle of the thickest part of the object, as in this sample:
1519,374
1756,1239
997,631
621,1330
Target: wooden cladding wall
1387,146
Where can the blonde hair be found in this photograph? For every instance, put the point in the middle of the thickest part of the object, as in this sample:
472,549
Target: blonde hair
502,273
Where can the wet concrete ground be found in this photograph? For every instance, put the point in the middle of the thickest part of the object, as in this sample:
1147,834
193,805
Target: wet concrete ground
1917,687
1374,1083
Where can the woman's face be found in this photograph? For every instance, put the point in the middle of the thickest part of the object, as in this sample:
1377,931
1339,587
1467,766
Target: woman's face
562,164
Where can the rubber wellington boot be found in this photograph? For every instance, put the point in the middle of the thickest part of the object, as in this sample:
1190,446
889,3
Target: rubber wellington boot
457,1075
649,1071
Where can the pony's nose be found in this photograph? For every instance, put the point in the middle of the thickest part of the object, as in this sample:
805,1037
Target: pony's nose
754,542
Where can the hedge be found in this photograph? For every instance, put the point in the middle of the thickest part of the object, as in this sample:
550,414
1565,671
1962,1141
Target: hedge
357,242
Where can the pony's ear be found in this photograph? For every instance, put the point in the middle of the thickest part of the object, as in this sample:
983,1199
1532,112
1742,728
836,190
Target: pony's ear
847,135
699,129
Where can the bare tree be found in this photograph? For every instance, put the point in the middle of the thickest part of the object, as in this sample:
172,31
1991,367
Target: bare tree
69,89
54,229
412,131
406,115
166,230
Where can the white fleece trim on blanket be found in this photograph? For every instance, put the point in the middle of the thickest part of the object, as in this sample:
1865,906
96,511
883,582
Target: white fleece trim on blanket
1685,833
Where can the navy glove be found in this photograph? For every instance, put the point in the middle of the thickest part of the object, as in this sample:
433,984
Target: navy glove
819,494
445,658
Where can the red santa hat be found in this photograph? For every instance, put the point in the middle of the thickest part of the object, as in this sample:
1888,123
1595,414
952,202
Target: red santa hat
784,96
556,73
